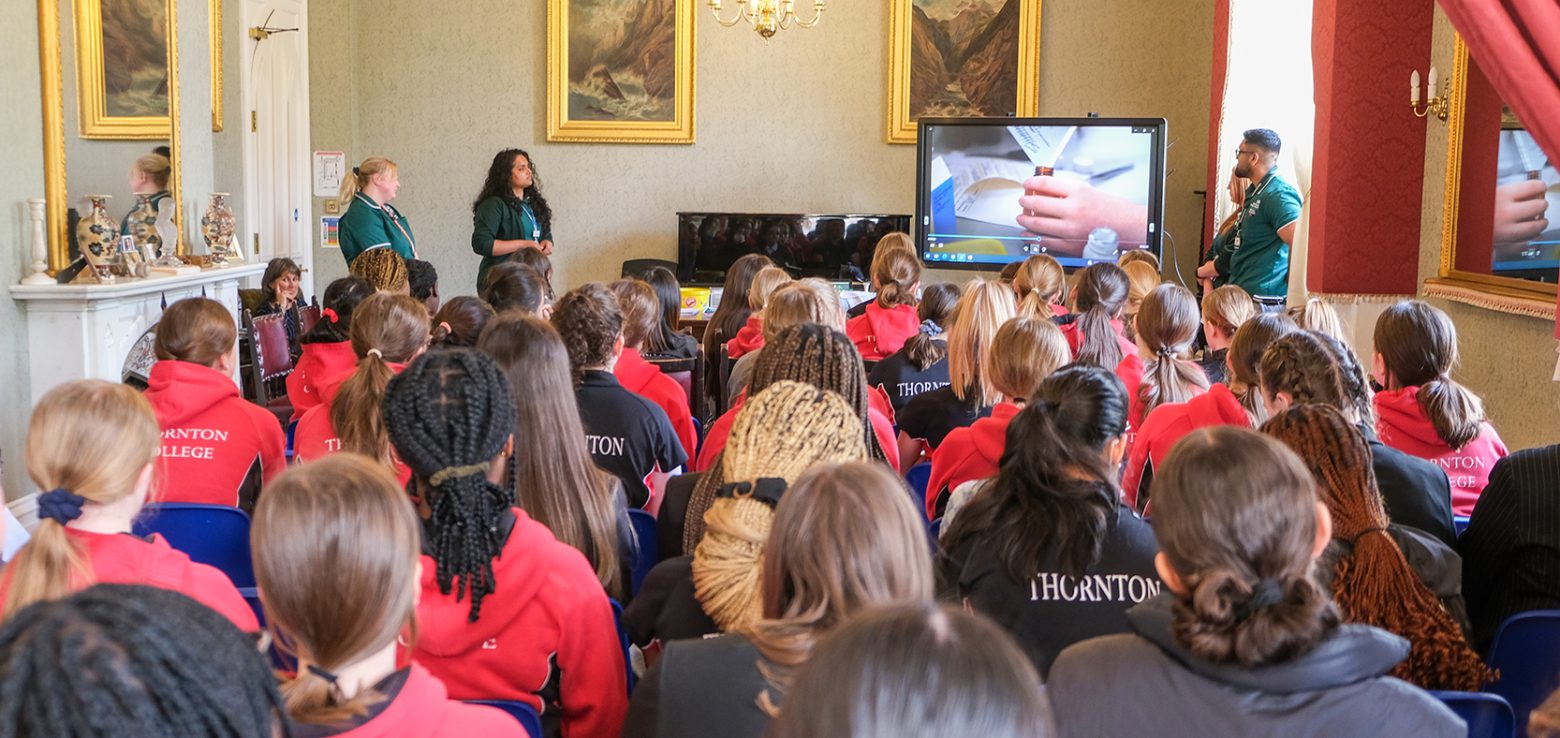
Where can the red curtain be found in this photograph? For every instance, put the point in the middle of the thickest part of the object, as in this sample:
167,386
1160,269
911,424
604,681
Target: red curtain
1517,43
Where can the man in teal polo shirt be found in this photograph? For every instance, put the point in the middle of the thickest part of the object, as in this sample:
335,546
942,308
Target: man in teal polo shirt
1256,259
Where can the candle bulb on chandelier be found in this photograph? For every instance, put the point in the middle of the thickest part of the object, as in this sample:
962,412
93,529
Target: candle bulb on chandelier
1430,89
1413,84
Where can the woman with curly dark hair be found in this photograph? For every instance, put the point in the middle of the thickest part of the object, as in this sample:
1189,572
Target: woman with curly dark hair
509,213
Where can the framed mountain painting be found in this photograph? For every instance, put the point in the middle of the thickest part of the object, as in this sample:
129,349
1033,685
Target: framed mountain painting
620,71
961,58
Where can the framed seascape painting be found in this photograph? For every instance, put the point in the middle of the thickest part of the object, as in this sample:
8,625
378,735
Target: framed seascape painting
620,71
122,57
961,58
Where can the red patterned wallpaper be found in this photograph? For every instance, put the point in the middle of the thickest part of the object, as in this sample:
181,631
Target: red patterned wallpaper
1368,170
1221,53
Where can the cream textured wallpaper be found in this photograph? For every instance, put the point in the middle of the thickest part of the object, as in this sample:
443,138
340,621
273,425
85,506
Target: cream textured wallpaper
794,124
1508,360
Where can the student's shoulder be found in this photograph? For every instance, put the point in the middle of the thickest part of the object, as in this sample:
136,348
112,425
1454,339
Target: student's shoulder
1097,668
1408,709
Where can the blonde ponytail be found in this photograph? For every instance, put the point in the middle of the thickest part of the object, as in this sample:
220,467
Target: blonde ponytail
385,328
358,178
118,426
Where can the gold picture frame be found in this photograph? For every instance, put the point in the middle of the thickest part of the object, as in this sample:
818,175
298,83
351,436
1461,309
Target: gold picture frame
906,16
1504,294
216,65
136,106
610,117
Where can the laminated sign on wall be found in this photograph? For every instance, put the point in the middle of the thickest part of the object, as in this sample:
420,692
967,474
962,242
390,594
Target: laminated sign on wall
329,168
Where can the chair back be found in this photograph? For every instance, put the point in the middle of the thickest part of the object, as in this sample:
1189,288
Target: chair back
1460,524
636,268
520,711
918,477
934,532
645,554
622,636
270,336
1526,651
308,317
1487,715
722,380
216,535
686,373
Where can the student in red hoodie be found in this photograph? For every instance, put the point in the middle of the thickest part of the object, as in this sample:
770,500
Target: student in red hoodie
1039,284
93,445
336,558
1166,325
926,420
327,348
751,336
388,330
641,315
1097,336
810,300
890,318
217,448
1423,411
1025,351
507,612
1238,403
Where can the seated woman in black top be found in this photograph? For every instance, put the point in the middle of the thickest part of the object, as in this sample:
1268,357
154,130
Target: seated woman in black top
666,341
280,284
1047,549
1312,367
969,396
818,572
922,365
1511,548
780,433
627,435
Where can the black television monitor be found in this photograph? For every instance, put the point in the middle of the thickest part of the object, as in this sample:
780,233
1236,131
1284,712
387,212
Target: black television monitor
834,247
990,191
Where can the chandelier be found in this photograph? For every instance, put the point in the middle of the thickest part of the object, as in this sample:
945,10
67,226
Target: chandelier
767,16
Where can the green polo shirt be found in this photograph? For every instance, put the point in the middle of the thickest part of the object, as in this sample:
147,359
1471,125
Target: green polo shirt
1258,260
495,219
367,225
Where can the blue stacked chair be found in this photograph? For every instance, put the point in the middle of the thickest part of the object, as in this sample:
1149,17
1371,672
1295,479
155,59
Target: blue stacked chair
648,549
1526,652
520,711
1487,715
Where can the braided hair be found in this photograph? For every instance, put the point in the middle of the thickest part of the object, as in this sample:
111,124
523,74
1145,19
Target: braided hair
449,414
383,268
808,353
117,659
1372,581
1315,367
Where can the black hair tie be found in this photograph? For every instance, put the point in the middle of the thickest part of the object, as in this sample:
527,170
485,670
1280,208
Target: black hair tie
357,172
766,490
1267,593
1356,539
322,673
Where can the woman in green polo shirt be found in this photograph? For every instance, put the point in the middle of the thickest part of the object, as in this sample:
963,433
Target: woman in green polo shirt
370,222
510,214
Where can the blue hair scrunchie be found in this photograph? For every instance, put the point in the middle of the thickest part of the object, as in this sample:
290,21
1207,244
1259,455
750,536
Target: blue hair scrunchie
931,328
60,505
1267,593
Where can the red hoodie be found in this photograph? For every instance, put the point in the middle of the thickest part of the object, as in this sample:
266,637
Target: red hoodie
318,362
546,635
315,436
879,413
423,709
969,453
880,331
749,338
122,558
211,436
1403,426
646,380
1172,422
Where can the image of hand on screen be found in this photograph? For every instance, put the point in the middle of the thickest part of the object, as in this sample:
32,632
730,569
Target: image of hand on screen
1063,212
1527,203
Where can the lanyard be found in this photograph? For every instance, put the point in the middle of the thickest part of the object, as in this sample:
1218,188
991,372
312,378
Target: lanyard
1240,222
536,229
391,214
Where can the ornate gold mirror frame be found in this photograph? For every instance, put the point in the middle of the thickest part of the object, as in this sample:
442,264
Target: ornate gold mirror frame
53,91
1506,294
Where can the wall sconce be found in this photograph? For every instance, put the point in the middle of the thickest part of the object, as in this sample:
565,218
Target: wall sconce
1437,105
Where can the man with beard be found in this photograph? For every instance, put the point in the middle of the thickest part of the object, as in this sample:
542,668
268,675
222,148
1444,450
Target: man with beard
1257,258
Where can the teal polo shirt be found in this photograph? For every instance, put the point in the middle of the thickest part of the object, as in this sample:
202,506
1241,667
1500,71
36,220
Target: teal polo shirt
1256,259
498,219
368,225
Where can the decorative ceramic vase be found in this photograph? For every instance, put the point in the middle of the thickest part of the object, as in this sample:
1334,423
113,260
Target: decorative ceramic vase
98,234
217,227
141,224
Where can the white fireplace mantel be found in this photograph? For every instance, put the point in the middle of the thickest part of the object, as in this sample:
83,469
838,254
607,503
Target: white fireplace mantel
78,331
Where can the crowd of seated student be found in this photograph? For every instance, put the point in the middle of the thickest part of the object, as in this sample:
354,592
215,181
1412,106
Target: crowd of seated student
730,315
1287,583
745,347
921,365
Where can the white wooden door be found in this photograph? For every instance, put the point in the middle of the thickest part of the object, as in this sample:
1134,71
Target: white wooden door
274,79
